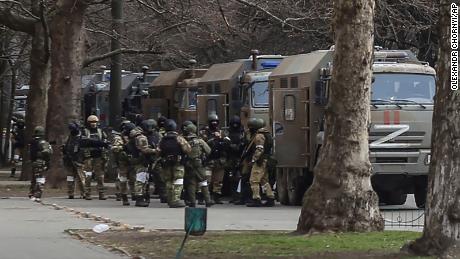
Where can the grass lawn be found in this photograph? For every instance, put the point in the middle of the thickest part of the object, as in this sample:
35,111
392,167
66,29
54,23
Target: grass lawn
256,244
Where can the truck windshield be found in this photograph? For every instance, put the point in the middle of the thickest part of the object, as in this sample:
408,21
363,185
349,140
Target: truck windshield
192,92
260,94
403,88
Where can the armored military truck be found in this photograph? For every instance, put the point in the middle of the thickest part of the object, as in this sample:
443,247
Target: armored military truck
399,135
172,95
236,88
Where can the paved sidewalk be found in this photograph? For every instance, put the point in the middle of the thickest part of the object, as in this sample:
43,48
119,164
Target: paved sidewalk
31,230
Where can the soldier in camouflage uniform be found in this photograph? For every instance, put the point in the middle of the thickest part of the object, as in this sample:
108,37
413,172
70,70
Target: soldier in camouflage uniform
258,151
40,155
18,144
139,151
95,157
195,173
219,144
173,148
73,160
121,161
153,138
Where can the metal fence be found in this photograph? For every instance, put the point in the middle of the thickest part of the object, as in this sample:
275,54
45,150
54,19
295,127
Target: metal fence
407,219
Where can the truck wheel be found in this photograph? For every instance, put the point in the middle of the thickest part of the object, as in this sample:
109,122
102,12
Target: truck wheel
294,180
395,198
281,186
420,191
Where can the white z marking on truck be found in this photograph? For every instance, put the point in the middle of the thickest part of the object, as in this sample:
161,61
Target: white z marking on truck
399,129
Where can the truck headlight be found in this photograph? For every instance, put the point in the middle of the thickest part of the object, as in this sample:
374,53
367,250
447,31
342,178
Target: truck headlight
428,159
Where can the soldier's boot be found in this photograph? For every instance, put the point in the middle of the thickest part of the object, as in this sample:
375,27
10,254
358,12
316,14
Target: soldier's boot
102,196
133,196
176,202
88,196
207,197
13,172
191,204
217,198
254,203
141,202
270,202
124,198
70,187
200,198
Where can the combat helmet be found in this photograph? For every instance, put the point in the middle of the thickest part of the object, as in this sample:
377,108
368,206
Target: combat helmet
190,128
148,125
213,117
92,119
255,123
170,125
39,131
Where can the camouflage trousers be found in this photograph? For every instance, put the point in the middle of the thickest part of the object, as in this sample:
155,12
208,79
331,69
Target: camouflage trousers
217,176
159,182
195,176
94,166
126,177
259,177
75,177
142,180
173,174
37,184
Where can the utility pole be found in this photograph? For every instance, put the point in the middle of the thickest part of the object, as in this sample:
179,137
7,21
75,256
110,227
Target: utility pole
115,68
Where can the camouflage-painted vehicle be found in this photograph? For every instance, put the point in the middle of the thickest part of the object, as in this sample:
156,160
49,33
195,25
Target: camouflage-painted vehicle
236,88
399,135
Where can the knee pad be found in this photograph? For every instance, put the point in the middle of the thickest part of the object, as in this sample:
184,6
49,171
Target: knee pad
70,178
203,183
41,180
123,179
88,174
142,177
179,181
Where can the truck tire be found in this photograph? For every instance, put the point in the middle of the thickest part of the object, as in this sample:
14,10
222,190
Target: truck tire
281,186
395,198
420,191
294,183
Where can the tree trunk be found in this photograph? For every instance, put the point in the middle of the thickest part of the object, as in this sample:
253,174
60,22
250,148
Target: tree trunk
441,235
341,197
67,40
37,98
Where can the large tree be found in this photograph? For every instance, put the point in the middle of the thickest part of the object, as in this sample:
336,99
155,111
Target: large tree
441,234
341,197
33,22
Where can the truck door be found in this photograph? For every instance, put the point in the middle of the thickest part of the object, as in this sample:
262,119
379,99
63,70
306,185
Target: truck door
211,103
290,126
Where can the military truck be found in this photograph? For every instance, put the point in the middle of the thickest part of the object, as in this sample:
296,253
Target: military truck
172,95
236,88
399,135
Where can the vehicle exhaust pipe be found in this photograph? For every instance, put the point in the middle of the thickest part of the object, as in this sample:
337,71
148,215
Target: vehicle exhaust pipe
192,63
254,54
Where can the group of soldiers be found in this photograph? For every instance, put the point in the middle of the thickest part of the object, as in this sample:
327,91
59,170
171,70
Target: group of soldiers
185,166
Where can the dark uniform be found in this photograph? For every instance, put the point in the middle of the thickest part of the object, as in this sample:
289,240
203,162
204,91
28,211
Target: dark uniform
73,161
40,155
216,163
18,145
195,173
173,148
236,136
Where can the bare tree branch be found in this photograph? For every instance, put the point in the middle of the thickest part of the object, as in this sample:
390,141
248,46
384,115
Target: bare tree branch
16,22
91,60
150,7
276,18
22,8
